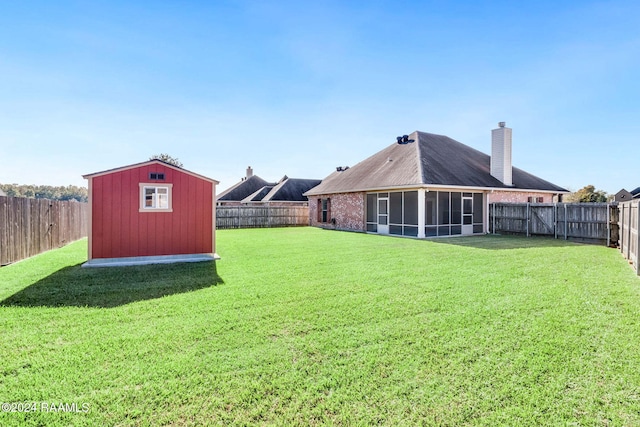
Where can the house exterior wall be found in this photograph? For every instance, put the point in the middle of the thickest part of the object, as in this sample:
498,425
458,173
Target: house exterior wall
518,197
119,229
348,210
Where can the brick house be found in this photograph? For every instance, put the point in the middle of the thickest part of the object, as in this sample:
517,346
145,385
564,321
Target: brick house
426,185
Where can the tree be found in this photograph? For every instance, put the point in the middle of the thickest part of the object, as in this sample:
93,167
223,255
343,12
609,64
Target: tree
70,192
587,194
167,158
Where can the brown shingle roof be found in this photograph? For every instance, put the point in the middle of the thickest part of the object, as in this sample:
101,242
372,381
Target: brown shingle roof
429,160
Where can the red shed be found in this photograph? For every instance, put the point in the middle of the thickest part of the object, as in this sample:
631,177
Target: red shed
151,212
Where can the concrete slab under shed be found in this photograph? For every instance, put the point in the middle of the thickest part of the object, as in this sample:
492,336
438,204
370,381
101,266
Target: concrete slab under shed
145,260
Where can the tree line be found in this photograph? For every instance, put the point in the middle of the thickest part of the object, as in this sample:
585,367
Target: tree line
70,192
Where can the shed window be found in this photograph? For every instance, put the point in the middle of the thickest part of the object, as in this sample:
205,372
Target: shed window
154,198
156,176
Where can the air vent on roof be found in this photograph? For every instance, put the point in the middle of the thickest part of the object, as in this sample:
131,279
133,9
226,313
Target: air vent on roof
404,139
342,168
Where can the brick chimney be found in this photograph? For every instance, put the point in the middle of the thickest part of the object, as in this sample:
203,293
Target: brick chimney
501,167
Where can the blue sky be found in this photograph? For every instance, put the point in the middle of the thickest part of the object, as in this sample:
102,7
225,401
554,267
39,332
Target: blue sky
298,88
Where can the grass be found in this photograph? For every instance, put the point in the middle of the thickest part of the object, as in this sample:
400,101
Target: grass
303,326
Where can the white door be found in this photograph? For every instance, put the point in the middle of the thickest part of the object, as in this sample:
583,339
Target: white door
383,215
467,214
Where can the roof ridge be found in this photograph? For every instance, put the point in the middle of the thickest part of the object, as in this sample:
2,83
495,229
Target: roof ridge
421,171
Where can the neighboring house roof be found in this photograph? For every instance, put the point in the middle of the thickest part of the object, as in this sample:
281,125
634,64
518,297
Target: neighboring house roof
429,160
149,162
291,190
624,195
258,195
243,189
256,189
2,193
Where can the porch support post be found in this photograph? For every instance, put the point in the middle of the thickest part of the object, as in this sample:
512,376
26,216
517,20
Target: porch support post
421,213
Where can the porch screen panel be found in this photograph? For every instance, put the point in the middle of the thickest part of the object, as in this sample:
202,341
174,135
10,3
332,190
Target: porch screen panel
372,212
478,208
431,208
372,199
411,208
443,208
395,209
478,213
456,209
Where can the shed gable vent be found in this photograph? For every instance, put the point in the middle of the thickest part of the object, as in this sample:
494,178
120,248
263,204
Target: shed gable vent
156,176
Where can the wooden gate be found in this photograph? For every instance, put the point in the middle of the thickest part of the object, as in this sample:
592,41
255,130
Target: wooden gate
629,223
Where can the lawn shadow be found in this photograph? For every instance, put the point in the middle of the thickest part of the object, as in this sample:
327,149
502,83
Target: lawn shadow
504,242
110,287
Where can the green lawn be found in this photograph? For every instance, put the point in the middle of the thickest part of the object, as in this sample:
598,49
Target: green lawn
303,326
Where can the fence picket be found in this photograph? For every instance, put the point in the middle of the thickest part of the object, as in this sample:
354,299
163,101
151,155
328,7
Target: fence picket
31,226
261,216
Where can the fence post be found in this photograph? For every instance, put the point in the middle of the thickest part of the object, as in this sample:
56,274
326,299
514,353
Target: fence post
555,221
608,224
621,237
637,265
628,254
528,217
565,221
494,218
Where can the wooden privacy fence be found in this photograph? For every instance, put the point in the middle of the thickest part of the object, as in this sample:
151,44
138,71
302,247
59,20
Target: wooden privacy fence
629,237
261,216
31,226
590,222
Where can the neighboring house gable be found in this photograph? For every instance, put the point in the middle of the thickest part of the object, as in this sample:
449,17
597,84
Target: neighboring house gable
243,189
258,195
624,195
253,189
291,190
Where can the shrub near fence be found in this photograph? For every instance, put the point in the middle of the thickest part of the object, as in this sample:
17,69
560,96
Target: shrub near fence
247,216
31,226
590,222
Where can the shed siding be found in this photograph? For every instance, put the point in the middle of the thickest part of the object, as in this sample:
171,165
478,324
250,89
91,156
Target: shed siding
120,230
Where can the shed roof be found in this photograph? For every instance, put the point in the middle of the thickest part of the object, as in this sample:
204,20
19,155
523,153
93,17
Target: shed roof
149,162
430,160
